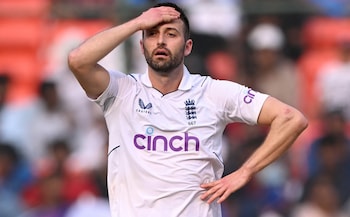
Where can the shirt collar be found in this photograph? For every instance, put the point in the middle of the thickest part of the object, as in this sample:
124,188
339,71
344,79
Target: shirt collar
185,84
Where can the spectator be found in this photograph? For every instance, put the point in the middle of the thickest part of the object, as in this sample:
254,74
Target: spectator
68,184
320,200
50,122
50,192
333,81
14,119
15,175
90,153
271,71
333,125
333,158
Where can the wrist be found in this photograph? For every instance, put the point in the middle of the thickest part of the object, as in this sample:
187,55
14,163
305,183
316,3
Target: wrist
137,24
247,172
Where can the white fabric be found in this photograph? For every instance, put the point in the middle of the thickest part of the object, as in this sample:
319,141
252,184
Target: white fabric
161,149
333,83
266,36
89,206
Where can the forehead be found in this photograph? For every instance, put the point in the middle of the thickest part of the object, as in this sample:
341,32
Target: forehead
175,24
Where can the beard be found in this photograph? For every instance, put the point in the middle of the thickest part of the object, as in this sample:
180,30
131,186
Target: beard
163,65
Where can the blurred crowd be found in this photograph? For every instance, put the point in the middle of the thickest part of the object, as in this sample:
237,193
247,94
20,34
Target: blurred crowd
53,140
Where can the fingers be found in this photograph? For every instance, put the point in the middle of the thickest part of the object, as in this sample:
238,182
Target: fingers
155,16
221,189
214,191
169,11
224,196
167,14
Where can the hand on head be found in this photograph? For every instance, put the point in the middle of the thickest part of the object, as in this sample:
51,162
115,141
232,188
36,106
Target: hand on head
156,16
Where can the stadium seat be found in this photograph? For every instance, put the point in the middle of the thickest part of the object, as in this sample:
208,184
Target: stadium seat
24,8
322,32
309,66
21,33
24,69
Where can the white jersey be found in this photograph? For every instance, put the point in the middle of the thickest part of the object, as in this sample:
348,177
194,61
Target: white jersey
162,147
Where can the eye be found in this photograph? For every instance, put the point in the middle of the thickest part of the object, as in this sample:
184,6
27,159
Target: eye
171,34
151,33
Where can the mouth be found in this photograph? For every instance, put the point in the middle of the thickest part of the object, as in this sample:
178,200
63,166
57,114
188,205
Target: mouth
161,53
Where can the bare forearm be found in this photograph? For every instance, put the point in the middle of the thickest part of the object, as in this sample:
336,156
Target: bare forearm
284,130
95,48
286,124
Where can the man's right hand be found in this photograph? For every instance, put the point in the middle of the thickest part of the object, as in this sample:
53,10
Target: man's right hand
154,16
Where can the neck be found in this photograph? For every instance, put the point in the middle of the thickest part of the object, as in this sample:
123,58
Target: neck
166,82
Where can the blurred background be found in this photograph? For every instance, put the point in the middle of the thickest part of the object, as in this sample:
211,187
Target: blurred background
53,140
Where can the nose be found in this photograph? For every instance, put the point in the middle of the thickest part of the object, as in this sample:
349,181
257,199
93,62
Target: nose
161,39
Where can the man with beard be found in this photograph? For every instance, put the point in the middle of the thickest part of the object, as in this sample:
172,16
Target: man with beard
165,125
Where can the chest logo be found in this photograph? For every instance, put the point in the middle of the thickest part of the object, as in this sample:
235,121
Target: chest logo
143,106
191,111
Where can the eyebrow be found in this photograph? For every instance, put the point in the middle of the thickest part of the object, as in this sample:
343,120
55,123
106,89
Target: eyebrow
166,29
171,28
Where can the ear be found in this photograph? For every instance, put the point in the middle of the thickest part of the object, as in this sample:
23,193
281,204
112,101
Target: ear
141,46
188,47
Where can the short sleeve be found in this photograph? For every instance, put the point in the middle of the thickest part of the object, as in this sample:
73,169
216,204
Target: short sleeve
249,105
237,102
107,98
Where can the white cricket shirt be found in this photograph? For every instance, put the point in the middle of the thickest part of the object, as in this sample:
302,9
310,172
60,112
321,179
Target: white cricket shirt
162,147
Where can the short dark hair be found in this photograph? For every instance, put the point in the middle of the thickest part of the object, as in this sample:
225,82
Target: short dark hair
46,85
183,16
9,150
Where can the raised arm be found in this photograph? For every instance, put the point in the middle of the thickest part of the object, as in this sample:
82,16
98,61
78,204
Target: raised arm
83,60
286,124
